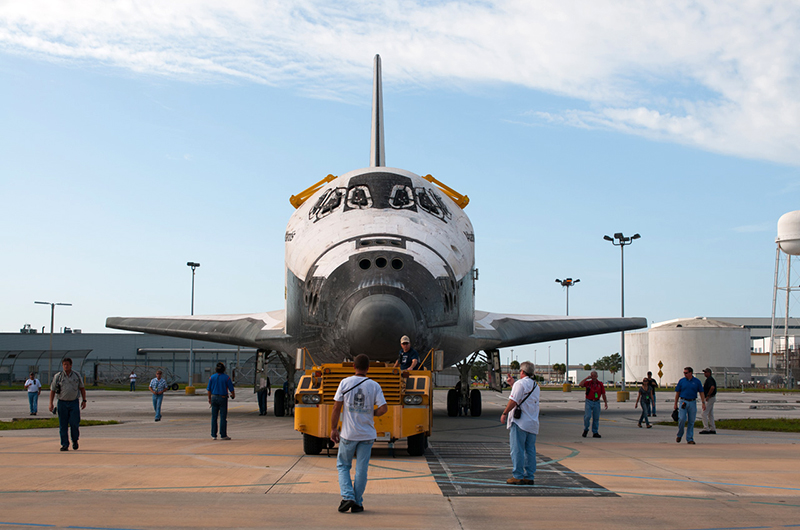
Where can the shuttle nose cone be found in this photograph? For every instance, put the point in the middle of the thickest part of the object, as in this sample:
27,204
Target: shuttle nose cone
376,324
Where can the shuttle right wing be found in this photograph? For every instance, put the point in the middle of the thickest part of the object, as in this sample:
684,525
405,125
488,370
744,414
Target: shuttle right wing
497,330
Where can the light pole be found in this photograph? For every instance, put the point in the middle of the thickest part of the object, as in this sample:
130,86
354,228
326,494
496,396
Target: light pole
569,282
193,266
621,241
52,318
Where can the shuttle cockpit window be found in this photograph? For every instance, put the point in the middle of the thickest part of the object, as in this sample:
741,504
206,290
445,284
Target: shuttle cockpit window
401,197
430,201
327,203
358,197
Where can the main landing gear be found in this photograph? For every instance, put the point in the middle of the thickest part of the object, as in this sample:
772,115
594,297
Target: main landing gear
283,397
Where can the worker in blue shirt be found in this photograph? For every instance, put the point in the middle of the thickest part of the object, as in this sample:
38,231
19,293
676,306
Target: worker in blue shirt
219,385
686,391
408,358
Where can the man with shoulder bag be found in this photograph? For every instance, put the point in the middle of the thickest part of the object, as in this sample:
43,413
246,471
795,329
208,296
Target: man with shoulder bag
523,425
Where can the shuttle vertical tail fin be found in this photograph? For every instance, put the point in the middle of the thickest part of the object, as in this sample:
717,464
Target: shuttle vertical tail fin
376,149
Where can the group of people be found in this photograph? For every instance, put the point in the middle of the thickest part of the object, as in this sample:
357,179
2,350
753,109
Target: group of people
686,394
66,389
358,400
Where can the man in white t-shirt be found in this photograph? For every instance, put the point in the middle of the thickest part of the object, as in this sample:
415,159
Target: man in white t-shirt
34,387
523,427
355,399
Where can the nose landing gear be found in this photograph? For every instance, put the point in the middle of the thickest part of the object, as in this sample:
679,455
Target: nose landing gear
466,401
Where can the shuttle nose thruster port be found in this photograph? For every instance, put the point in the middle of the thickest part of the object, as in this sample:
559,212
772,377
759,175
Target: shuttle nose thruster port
376,324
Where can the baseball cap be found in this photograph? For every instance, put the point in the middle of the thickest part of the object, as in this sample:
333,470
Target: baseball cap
405,338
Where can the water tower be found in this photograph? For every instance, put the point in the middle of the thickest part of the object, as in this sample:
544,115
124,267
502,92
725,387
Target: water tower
788,244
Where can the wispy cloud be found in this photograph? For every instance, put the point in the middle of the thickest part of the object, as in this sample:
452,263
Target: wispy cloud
722,76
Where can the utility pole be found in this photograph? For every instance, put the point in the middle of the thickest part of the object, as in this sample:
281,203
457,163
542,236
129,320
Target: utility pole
621,241
52,318
190,387
567,283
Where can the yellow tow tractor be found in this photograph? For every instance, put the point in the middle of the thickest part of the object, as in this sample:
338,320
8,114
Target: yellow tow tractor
409,395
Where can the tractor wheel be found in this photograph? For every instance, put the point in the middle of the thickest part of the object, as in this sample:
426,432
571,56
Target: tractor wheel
313,445
417,444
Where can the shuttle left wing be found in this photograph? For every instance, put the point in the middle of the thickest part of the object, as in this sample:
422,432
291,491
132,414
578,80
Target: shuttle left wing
258,330
497,330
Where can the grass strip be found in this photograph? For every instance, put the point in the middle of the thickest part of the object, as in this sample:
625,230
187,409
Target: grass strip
750,424
45,423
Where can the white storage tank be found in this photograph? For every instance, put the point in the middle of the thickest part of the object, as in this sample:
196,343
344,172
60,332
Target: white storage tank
789,233
699,342
637,357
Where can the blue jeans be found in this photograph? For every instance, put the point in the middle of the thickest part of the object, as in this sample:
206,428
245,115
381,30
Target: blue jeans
361,450
33,401
219,407
523,452
653,404
591,411
686,417
645,411
261,395
69,415
157,399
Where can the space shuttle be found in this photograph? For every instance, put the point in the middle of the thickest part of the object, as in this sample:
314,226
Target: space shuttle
372,255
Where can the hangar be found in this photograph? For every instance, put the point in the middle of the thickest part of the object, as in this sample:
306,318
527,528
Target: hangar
110,357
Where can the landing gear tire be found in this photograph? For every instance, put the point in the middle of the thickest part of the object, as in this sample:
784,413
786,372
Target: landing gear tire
280,403
475,402
313,445
417,444
174,386
452,403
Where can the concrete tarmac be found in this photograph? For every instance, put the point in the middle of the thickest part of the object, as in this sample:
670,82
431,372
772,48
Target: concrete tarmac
171,474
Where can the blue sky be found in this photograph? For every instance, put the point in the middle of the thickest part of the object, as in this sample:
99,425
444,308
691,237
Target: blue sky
138,136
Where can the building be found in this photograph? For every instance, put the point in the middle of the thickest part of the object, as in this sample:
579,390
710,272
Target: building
110,357
697,342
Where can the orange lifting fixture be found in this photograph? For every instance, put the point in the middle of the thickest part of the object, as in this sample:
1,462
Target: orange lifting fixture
300,198
461,200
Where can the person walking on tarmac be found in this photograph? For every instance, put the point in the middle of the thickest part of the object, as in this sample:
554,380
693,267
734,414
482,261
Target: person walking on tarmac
67,386
594,392
219,385
264,390
644,399
710,391
686,391
521,416
408,358
358,399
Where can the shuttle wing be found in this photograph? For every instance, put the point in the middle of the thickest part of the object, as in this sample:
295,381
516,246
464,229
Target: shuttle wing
258,330
497,330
